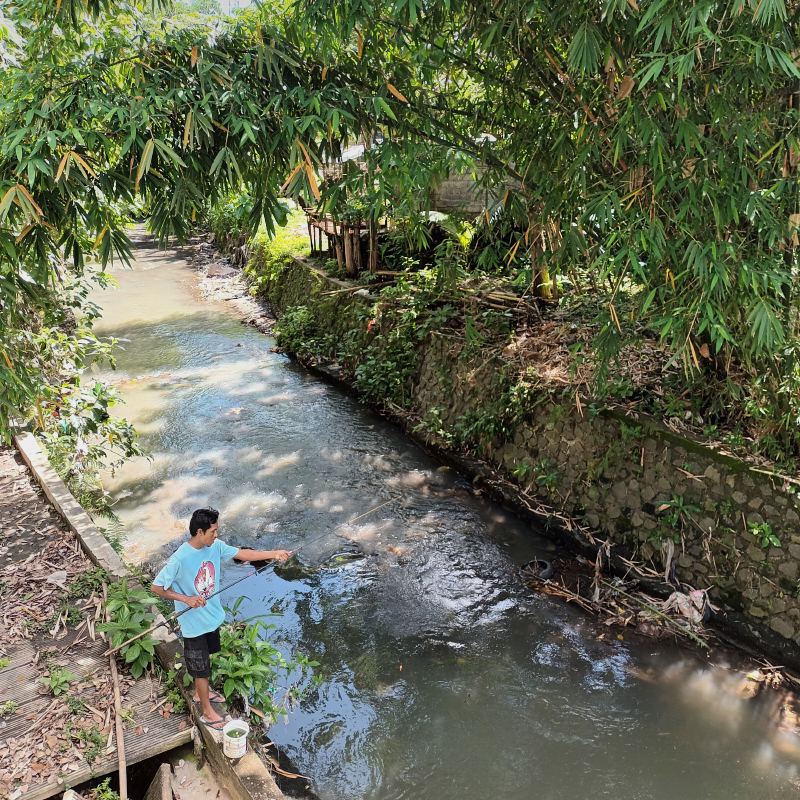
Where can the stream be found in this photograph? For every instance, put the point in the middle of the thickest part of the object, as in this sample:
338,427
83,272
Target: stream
444,676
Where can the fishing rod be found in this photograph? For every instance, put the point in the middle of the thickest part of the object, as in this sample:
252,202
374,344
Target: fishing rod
256,571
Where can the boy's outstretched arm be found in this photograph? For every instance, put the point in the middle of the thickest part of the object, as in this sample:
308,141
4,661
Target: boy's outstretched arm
262,555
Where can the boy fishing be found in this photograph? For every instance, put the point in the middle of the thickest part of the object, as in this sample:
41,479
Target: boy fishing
193,571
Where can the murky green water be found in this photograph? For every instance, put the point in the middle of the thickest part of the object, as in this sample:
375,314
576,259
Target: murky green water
501,694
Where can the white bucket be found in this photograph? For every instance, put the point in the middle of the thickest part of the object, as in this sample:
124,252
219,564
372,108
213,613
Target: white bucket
235,746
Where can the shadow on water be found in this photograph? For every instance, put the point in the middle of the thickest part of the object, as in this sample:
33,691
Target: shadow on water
444,676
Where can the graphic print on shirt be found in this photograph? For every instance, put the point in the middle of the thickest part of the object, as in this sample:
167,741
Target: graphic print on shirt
205,580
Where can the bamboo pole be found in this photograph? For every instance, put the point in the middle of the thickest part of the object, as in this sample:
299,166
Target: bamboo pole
357,263
123,769
123,772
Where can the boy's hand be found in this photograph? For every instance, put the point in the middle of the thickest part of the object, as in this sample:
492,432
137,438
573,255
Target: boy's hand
195,602
281,555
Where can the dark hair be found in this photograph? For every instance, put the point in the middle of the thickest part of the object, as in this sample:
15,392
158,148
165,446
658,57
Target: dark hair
202,520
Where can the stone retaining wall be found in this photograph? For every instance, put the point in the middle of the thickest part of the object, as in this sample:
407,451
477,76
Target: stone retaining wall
621,475
616,473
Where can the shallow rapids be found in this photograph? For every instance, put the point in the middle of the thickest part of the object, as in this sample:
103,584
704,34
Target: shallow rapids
444,677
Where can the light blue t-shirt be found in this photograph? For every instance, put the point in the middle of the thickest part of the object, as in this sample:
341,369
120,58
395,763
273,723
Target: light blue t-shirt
191,572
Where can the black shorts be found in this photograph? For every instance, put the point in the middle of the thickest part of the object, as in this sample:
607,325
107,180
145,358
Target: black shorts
197,650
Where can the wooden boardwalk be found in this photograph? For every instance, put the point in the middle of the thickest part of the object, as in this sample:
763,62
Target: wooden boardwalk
37,736
45,740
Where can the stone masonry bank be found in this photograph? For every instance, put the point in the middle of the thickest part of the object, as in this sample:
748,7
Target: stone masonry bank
621,475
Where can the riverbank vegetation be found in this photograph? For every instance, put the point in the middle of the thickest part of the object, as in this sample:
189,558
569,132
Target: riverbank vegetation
637,168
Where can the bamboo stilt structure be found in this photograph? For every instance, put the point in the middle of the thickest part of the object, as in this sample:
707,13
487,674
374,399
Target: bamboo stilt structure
348,251
338,241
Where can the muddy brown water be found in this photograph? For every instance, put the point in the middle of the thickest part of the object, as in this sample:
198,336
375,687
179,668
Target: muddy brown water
444,676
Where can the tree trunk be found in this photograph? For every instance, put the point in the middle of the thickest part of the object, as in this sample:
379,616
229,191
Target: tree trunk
356,240
373,245
348,251
337,243
541,280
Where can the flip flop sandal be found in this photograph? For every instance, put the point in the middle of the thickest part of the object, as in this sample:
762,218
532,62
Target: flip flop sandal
213,697
215,726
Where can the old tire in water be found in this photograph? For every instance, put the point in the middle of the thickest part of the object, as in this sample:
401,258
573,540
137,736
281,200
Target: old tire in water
538,569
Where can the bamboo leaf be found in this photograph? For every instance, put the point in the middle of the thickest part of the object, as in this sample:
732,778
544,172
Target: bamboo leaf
291,177
61,166
187,129
395,92
144,163
313,181
30,199
81,161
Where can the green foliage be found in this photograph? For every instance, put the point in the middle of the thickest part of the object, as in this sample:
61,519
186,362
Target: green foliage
93,742
8,708
662,535
174,694
59,680
230,221
270,251
408,313
647,152
387,366
130,615
87,582
296,331
146,580
630,433
763,532
251,666
4,662
76,705
81,438
546,474
678,511
103,791
334,270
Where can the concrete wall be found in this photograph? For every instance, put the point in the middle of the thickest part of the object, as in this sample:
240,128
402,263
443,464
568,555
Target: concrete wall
460,193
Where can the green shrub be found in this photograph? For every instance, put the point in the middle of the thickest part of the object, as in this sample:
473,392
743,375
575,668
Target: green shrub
81,438
296,331
58,680
130,616
230,221
270,254
251,666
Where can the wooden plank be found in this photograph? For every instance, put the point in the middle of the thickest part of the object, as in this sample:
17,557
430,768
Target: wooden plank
153,744
162,734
